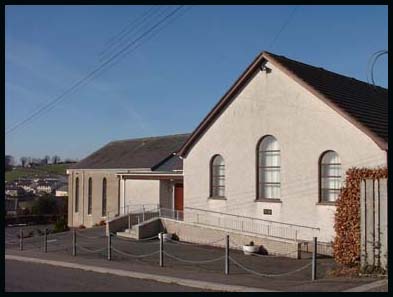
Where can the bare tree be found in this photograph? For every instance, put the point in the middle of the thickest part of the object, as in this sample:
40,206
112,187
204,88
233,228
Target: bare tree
23,161
45,160
55,159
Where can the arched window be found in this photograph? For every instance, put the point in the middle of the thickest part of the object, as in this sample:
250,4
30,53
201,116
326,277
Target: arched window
217,177
268,168
104,197
77,194
330,176
89,196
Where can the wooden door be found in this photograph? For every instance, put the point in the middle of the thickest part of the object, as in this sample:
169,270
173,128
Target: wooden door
179,197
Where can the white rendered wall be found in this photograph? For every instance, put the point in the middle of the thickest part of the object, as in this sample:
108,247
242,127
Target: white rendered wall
142,191
304,126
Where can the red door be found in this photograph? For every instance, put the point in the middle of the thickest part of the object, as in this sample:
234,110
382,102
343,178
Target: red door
178,196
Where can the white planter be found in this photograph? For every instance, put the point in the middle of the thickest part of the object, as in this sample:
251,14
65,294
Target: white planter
165,236
250,249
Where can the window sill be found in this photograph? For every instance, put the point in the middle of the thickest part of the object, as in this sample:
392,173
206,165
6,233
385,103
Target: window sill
217,198
271,200
326,203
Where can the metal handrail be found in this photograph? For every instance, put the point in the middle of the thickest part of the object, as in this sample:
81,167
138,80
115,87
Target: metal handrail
251,218
130,209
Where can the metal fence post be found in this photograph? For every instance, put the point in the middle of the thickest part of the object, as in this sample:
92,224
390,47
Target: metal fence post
109,247
161,249
21,239
46,240
227,254
143,213
314,260
129,223
74,242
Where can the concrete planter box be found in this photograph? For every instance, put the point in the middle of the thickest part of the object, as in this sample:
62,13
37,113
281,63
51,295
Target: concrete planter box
250,249
165,236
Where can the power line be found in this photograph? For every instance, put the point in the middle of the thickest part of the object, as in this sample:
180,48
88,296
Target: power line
116,40
132,22
371,64
283,26
43,106
118,60
91,75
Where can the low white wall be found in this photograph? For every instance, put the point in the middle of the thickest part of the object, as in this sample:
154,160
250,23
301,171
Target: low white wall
211,236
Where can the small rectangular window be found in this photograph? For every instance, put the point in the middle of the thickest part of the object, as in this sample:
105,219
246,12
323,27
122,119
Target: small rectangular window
267,211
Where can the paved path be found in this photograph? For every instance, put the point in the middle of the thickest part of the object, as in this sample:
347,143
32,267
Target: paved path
32,277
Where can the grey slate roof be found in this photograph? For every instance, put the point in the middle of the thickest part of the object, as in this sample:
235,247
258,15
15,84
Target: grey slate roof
136,153
172,163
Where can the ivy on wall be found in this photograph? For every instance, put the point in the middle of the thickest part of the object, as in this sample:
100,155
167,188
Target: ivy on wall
346,245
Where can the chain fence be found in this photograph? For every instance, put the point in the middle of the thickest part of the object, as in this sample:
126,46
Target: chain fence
102,245
193,261
133,255
265,274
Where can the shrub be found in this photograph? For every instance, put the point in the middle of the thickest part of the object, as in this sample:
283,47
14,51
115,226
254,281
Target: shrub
81,226
60,226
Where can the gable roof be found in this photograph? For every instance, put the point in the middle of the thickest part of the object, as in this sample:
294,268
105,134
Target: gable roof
364,105
133,153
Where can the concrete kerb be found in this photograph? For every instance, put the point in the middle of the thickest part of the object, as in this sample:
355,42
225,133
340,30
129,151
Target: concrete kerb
367,287
139,275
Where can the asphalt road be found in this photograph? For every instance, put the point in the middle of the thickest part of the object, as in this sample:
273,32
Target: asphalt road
32,277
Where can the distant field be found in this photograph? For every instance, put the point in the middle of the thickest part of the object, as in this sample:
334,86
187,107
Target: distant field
57,169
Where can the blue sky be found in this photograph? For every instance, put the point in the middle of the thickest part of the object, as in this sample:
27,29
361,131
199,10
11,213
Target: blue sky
171,81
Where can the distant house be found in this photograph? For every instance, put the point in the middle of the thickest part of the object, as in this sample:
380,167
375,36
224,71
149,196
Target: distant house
26,184
45,187
123,173
13,190
62,191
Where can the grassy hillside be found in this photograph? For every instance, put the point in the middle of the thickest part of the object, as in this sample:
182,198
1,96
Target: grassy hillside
19,172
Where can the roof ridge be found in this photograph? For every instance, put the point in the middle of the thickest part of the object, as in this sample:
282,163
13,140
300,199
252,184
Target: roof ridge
325,70
149,138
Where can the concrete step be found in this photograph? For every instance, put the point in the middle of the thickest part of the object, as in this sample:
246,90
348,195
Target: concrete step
127,234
